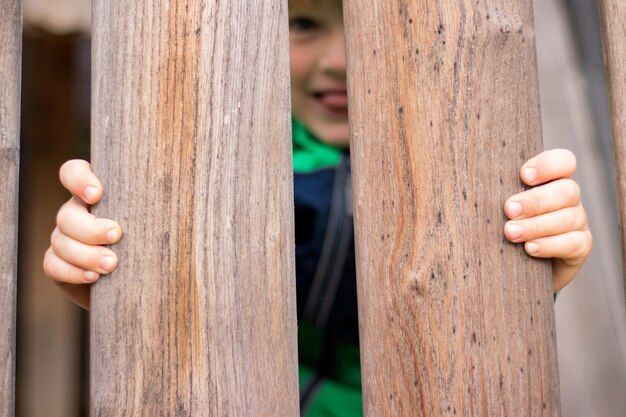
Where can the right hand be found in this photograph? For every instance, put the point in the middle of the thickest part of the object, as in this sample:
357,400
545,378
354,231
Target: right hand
77,256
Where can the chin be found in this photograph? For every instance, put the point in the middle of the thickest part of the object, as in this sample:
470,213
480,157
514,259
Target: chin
343,143
339,138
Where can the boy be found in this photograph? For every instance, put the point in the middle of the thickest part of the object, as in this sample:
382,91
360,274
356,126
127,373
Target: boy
548,218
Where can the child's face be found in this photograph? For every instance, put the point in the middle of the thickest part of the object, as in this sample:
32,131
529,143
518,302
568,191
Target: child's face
318,69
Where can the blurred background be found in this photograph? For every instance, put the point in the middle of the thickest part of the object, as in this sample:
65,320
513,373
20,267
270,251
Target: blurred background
52,335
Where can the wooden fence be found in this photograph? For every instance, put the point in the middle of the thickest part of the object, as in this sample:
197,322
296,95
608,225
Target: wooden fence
191,136
466,330
10,70
613,17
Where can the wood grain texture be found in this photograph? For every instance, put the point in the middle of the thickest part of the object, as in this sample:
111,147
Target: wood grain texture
10,76
444,109
191,136
613,21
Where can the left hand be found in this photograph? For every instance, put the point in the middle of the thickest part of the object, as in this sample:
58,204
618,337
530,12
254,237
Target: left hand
550,217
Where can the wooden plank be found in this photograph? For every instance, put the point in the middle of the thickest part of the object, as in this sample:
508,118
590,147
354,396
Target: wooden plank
444,110
191,137
613,21
10,76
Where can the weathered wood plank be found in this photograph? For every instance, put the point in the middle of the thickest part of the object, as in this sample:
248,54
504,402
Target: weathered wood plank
613,21
10,76
191,136
444,110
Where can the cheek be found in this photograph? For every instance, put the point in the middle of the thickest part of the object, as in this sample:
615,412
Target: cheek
300,65
299,73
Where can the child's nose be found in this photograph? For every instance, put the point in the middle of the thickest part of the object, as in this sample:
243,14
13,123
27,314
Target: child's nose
333,60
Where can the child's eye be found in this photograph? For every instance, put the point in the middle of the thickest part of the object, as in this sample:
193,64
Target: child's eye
303,24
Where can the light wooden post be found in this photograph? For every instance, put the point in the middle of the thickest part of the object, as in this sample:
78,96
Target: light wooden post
444,110
191,137
10,82
613,20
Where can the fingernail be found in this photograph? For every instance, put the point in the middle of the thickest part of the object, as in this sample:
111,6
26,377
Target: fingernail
91,192
514,209
91,276
530,175
114,234
107,263
532,247
514,230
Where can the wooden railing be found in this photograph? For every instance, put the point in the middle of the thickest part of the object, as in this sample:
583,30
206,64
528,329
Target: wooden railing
191,137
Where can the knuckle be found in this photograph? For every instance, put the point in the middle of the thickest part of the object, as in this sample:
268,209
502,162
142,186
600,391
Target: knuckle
571,158
51,265
587,243
566,156
580,245
72,173
572,190
95,234
582,218
47,261
70,166
571,219
61,214
66,166
531,202
59,242
576,243
54,236
534,229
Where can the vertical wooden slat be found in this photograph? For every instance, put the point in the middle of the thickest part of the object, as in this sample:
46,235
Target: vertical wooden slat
444,110
10,76
191,137
613,21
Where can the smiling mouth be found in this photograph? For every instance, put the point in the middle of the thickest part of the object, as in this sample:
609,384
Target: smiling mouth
335,101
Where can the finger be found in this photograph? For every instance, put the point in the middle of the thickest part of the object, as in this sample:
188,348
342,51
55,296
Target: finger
74,221
543,199
63,272
571,248
549,224
76,175
88,257
548,166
